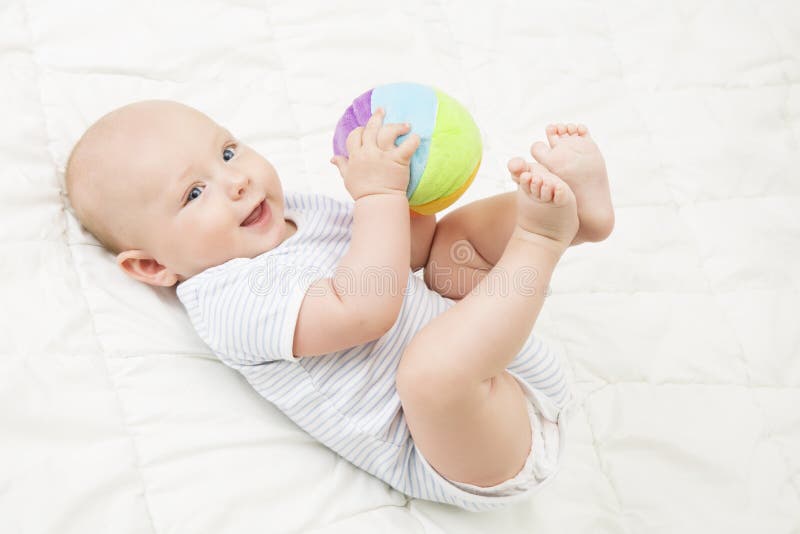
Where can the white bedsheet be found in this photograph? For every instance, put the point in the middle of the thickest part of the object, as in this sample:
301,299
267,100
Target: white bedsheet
681,330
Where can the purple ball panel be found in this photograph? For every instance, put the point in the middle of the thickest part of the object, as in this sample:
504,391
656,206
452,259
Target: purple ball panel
354,116
362,106
345,125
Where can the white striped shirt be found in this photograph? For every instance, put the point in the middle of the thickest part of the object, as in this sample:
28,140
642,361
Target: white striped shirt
246,311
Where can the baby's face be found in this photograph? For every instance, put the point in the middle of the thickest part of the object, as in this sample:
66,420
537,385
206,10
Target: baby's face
201,197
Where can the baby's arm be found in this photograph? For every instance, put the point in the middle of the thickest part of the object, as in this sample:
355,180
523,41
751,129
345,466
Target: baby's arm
361,301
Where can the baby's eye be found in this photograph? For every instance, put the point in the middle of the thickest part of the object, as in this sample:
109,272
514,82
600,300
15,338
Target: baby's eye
191,196
228,153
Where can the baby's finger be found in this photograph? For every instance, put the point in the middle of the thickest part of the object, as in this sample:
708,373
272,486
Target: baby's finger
390,132
372,128
355,139
408,147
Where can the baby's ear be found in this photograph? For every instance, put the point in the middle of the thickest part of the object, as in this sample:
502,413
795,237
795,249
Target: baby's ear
141,266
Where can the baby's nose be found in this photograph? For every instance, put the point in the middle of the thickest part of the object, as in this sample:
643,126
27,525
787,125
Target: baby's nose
238,184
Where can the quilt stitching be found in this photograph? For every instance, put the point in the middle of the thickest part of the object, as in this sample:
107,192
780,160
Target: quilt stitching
38,68
710,290
601,464
786,81
604,469
284,77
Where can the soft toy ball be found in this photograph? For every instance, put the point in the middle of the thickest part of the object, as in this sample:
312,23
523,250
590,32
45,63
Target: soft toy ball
450,150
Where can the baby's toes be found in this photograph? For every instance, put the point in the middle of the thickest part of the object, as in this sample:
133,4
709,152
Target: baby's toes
552,134
548,185
525,182
541,153
533,184
583,130
561,192
516,166
572,129
537,183
534,167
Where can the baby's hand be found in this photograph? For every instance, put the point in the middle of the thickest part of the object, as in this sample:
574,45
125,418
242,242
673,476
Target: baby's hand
375,164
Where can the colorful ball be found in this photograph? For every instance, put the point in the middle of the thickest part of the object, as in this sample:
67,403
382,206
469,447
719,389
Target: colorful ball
450,150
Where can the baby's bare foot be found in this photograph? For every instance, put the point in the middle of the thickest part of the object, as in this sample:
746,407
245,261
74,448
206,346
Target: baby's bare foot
546,205
574,156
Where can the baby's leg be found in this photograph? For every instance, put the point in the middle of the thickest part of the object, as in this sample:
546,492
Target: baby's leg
468,242
465,412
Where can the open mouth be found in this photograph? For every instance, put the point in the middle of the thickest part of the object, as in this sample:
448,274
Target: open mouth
258,215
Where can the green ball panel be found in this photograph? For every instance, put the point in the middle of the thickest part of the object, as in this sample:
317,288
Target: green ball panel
455,151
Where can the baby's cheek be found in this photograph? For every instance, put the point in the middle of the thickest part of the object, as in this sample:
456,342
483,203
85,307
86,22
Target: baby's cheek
213,239
199,239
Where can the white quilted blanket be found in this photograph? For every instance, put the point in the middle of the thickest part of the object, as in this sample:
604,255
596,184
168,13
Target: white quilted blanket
681,330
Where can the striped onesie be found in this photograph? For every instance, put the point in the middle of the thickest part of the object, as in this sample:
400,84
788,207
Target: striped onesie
246,310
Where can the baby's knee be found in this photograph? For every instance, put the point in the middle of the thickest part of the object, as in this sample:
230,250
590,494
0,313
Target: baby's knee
424,381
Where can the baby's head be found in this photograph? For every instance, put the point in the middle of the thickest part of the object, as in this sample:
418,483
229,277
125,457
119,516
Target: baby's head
172,193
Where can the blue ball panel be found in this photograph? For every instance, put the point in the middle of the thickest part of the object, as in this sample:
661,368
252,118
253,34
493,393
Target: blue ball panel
417,105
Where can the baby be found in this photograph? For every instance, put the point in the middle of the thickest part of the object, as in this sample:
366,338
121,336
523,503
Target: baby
435,385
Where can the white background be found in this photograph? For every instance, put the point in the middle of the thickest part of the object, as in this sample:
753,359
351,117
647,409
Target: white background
681,331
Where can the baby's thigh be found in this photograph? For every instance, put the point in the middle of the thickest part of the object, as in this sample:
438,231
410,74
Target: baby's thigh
476,434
